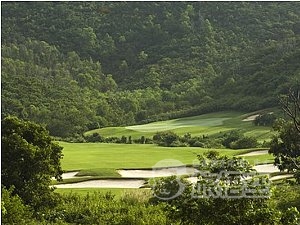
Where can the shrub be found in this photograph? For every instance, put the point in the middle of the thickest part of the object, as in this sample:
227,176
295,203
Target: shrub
13,210
167,138
265,119
236,140
98,208
245,142
230,137
95,137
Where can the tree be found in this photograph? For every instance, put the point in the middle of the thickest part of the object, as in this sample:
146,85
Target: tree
29,160
230,137
166,138
291,106
286,146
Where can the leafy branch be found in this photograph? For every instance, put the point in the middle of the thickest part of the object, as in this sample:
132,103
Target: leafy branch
291,106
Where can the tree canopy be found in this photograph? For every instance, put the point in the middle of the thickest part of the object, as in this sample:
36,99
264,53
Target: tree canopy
29,160
75,66
286,145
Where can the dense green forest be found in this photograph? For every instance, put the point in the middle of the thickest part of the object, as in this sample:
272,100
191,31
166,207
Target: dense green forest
75,66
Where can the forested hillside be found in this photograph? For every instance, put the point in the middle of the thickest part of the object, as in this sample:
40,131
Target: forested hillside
75,66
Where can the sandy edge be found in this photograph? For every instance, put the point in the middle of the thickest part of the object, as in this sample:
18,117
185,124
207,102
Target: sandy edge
254,153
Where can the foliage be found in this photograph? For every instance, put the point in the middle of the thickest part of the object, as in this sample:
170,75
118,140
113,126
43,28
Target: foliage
265,119
236,140
195,205
13,210
286,147
29,160
286,195
72,67
244,142
230,137
97,208
166,138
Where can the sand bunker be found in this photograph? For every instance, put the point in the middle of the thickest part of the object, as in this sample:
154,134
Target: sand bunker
251,118
165,172
254,153
159,172
278,177
110,183
69,175
266,168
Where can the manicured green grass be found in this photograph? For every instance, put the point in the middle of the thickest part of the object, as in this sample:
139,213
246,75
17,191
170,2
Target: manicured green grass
207,124
102,172
90,156
102,159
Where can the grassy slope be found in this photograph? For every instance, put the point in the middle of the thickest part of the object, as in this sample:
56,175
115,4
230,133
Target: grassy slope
208,124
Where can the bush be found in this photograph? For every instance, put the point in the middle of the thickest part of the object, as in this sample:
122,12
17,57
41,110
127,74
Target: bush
98,208
167,138
13,210
245,142
236,140
230,137
95,137
197,144
265,119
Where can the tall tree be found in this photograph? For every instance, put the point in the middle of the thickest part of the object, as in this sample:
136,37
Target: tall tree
286,146
291,106
29,160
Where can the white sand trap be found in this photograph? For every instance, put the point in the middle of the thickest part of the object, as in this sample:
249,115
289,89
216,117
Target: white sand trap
279,177
266,168
250,118
117,183
69,175
165,172
254,153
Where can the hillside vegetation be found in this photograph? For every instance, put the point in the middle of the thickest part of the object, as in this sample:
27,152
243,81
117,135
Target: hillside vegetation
77,66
